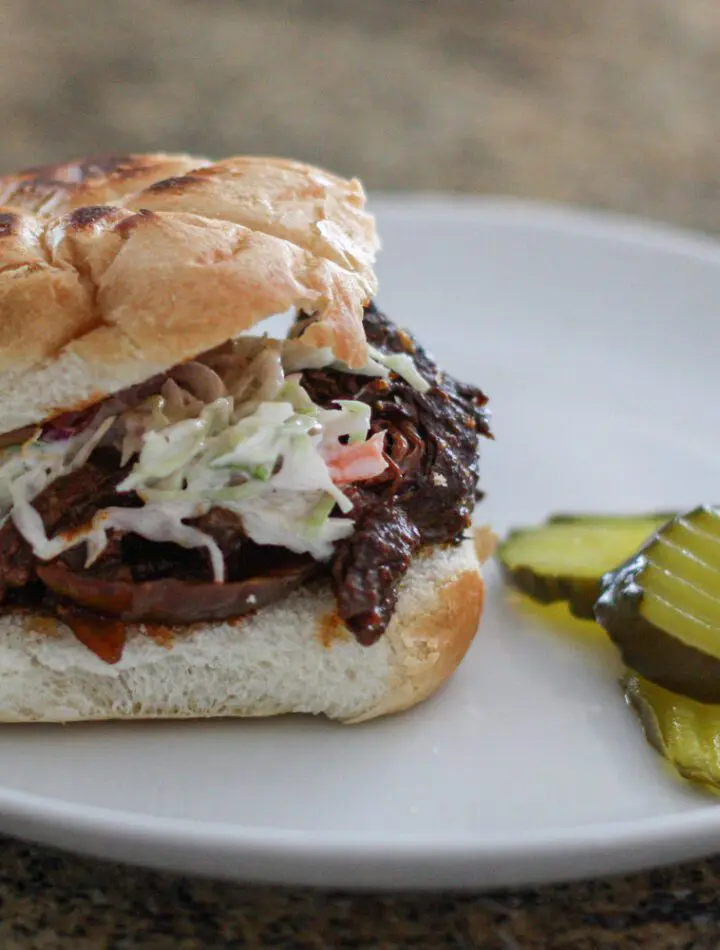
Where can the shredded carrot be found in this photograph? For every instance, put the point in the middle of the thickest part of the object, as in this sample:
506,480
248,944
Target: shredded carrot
357,461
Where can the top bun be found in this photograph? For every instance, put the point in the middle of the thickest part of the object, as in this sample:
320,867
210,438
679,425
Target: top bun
114,269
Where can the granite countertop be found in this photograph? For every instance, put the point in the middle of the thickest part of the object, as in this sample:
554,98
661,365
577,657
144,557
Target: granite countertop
612,104
53,901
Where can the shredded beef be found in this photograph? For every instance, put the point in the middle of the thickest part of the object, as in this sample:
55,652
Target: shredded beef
64,506
368,567
151,561
425,496
16,559
71,501
427,493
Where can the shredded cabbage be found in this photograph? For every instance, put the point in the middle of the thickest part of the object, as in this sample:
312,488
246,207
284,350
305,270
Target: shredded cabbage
26,470
351,419
156,523
293,520
299,356
267,460
403,365
268,467
293,393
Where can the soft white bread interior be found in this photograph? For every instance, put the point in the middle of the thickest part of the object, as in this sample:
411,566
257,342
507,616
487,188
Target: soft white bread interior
113,270
292,657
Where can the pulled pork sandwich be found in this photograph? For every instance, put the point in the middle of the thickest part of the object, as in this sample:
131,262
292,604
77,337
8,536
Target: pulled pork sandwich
202,521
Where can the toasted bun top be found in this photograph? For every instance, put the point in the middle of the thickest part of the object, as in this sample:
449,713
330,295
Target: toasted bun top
113,269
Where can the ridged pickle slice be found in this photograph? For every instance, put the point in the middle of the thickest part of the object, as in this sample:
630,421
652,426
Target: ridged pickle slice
662,607
565,558
684,732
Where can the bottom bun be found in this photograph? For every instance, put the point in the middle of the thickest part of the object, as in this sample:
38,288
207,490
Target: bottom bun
291,657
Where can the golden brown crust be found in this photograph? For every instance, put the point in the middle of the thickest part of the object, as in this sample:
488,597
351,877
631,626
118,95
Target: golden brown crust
112,270
41,307
307,206
48,190
429,646
485,541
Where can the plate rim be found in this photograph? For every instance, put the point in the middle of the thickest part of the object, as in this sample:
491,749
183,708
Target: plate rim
509,211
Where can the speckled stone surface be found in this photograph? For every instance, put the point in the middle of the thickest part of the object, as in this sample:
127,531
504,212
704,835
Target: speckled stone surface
49,900
611,103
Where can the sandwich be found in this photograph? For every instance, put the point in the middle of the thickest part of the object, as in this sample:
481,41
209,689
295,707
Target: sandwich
200,519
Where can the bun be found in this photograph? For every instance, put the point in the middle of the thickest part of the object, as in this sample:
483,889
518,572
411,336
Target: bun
112,270
291,657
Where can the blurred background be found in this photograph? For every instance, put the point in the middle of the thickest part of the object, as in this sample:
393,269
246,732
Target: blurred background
608,103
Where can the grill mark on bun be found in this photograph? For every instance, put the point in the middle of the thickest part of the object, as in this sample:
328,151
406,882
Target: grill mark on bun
128,224
78,171
42,187
176,183
19,232
89,215
10,224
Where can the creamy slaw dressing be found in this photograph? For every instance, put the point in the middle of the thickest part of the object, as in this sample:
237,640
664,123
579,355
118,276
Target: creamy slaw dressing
277,463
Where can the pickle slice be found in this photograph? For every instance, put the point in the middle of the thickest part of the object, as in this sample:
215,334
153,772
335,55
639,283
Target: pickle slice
662,607
684,732
565,558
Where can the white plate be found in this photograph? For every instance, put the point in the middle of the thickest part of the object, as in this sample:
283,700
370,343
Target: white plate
598,341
